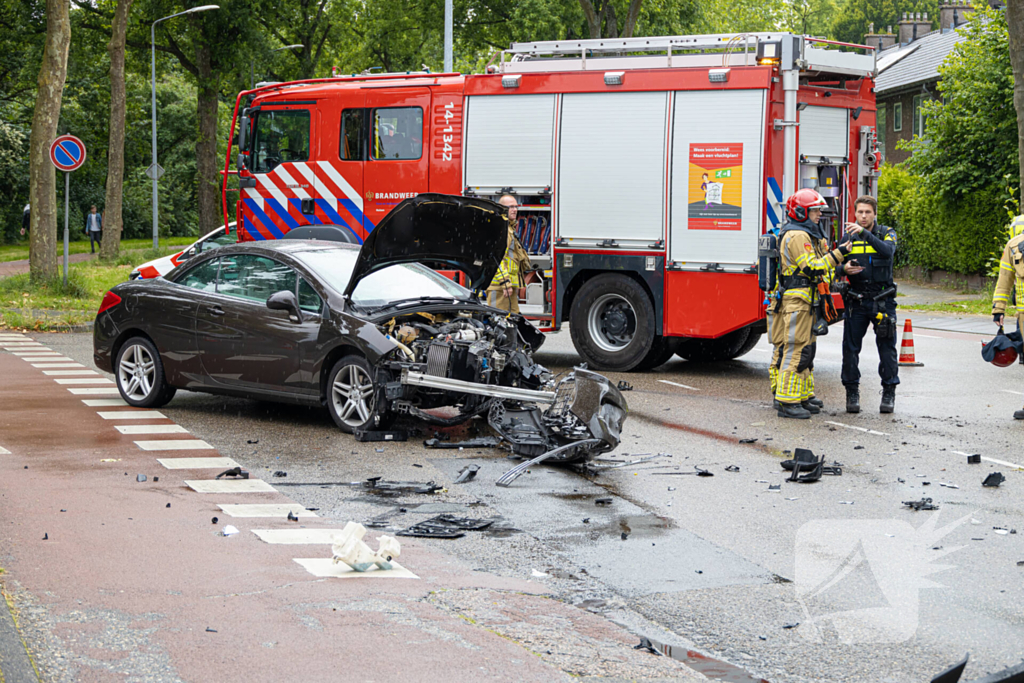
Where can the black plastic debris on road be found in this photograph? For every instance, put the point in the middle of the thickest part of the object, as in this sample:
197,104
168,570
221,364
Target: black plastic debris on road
467,473
793,625
645,644
280,473
702,473
446,526
994,479
479,442
775,487
623,385
234,472
953,673
974,459
379,484
210,630
252,441
380,435
748,440
214,520
732,468
46,536
603,502
292,517
1013,674
923,504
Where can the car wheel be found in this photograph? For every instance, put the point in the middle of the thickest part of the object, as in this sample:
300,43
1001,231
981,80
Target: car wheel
612,323
662,349
351,394
140,375
727,347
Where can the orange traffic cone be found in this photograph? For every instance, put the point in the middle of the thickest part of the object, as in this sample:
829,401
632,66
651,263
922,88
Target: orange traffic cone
907,347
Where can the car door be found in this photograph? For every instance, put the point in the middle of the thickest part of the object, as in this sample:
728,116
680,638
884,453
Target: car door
170,318
245,345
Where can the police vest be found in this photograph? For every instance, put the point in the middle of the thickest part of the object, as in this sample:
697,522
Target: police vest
877,272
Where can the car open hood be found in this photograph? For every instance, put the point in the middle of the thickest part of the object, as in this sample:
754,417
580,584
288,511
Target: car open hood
466,233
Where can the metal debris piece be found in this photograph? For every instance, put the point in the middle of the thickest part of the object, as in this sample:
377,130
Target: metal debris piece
994,479
702,473
923,504
623,385
732,468
380,435
506,479
378,484
480,442
974,459
948,485
234,472
602,502
467,473
775,487
280,473
140,478
594,467
748,440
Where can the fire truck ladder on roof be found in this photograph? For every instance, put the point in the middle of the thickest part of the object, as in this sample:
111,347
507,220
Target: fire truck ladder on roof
709,51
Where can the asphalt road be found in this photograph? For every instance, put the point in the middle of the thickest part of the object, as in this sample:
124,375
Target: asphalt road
723,564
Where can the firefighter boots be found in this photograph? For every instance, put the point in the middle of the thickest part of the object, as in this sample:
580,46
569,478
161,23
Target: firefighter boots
852,398
793,410
815,401
810,407
888,398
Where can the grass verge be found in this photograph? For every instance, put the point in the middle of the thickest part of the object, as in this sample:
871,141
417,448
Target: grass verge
970,307
17,252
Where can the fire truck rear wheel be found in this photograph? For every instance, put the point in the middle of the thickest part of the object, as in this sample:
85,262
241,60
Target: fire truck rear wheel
727,347
612,323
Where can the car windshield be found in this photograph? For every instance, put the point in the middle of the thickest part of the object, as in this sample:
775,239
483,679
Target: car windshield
400,282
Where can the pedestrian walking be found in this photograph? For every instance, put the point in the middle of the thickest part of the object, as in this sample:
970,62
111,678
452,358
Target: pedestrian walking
94,228
870,302
26,219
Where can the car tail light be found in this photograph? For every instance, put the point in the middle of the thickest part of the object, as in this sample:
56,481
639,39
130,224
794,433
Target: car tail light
109,301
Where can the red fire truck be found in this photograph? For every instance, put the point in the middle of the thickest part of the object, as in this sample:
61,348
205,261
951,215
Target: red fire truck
645,168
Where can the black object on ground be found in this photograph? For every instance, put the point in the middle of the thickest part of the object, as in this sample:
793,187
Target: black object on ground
974,459
600,502
645,644
214,520
467,473
210,630
234,472
732,468
280,473
748,440
446,526
479,442
252,441
953,673
378,484
805,457
168,505
793,625
923,504
140,478
379,435
623,385
994,479
46,536
702,473
292,517
775,487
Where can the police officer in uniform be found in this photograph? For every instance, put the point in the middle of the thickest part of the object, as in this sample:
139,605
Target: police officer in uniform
869,270
503,292
804,260
1011,281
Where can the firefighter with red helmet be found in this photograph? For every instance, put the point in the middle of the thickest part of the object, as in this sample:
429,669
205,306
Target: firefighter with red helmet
1011,280
804,261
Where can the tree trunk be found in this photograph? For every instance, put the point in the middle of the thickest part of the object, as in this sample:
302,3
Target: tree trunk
1015,25
42,175
593,18
112,222
631,17
210,214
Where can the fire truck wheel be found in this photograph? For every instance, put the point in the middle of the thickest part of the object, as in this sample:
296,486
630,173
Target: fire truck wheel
728,347
612,323
662,349
351,395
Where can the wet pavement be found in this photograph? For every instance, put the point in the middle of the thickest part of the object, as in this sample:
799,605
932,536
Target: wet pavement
831,581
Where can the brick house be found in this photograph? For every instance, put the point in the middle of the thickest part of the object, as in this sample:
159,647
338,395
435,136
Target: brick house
908,73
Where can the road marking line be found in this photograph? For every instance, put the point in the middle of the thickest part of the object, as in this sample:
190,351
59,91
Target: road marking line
296,536
197,463
53,366
96,391
229,486
998,462
1009,391
100,402
324,567
762,350
151,429
84,380
677,384
48,359
265,510
130,414
927,336
37,352
175,445
17,346
52,356
69,372
859,429
4,451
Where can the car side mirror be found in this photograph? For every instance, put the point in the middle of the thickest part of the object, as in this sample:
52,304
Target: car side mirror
285,301
187,254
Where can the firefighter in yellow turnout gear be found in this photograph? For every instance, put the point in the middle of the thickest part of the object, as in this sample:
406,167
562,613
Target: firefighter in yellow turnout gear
804,260
1011,281
503,292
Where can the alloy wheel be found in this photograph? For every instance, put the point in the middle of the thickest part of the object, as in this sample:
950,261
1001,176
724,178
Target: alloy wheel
352,394
136,373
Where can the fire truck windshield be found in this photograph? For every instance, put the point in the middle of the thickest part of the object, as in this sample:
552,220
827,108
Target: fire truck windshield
280,137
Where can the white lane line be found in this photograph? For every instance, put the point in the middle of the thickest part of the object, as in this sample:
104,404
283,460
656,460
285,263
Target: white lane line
324,567
15,346
197,463
762,350
104,402
96,391
998,462
47,359
69,372
175,445
130,414
927,336
229,486
51,357
1010,391
677,384
151,429
36,352
53,366
296,536
84,380
4,451
859,429
265,510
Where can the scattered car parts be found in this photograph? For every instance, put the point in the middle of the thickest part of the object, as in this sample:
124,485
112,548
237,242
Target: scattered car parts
994,479
923,504
350,549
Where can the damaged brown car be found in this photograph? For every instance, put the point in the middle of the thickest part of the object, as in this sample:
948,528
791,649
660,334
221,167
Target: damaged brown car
369,333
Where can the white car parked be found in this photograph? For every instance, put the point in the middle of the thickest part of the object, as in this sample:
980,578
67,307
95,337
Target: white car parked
161,266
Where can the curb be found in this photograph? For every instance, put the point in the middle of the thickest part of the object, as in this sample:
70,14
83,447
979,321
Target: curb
15,663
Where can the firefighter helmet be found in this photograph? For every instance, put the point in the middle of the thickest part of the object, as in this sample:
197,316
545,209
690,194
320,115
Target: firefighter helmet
1004,358
801,202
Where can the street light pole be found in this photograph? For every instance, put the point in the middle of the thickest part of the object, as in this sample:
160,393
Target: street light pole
252,63
448,36
153,167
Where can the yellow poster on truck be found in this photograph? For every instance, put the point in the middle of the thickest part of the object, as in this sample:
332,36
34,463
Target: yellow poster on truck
716,186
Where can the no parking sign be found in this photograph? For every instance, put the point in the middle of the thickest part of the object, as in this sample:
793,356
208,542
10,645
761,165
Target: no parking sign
67,153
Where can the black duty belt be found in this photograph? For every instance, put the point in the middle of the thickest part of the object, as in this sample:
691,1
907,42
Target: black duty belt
795,281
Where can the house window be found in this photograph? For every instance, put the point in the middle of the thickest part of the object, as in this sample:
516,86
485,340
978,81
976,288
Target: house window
919,114
897,117
880,128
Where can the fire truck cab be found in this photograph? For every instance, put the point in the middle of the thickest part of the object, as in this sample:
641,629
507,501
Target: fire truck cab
646,169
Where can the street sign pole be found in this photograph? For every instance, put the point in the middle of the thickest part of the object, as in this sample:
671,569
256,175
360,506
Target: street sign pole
67,185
